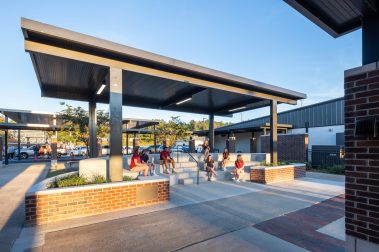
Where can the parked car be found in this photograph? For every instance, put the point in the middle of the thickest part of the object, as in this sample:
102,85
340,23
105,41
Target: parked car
25,153
177,148
79,151
105,150
130,150
152,149
62,152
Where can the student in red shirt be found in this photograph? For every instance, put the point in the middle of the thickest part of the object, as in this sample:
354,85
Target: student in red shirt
136,165
239,168
166,158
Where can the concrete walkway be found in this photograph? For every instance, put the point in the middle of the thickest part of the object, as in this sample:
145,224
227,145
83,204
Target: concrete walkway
15,180
217,216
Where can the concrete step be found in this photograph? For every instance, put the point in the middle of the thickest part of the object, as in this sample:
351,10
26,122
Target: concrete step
182,175
189,181
186,164
186,169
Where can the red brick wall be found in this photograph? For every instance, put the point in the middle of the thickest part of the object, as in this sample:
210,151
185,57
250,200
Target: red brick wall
46,208
362,157
272,175
291,147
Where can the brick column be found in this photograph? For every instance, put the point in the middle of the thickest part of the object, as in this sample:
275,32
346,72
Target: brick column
361,160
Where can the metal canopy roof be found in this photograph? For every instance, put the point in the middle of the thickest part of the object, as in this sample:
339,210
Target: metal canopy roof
336,17
246,128
31,117
28,126
70,65
132,123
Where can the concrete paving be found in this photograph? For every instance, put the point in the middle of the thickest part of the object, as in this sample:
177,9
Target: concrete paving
15,180
335,229
208,216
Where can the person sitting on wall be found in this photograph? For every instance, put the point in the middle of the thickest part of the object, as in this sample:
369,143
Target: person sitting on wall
225,158
145,160
239,168
206,149
166,159
210,167
136,165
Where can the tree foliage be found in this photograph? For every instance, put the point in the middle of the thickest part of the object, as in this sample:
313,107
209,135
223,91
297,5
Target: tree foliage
75,130
75,125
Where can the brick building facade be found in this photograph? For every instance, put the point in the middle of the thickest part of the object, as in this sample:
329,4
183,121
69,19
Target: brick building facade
290,147
362,159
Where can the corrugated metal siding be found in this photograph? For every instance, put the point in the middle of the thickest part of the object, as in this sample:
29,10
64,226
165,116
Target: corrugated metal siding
327,113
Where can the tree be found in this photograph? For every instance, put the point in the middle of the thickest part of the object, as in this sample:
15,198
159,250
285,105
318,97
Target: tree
173,130
75,125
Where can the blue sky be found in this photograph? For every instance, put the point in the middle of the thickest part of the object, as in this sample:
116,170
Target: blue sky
265,40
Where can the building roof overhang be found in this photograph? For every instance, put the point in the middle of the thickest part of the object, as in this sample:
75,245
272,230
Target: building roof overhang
71,65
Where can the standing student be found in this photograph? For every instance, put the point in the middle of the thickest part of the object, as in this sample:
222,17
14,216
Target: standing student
145,160
210,167
136,165
225,158
239,168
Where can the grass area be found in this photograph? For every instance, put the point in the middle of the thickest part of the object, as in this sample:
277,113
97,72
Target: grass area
77,180
56,172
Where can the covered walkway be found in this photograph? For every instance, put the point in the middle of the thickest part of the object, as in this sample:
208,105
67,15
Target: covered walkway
74,66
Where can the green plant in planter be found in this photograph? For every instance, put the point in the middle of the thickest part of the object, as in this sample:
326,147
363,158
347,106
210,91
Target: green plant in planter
127,178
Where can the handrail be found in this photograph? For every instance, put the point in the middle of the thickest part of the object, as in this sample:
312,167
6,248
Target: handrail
198,167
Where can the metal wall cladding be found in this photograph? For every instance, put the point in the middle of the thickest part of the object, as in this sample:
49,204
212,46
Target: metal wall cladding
323,114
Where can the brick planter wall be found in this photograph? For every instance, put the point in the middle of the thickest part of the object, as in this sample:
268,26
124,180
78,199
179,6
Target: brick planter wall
267,175
291,147
52,205
361,159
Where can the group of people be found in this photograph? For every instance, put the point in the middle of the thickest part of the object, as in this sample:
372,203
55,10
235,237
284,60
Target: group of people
239,164
140,162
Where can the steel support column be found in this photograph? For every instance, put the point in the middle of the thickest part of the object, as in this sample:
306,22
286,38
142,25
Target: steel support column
155,140
6,147
127,143
6,143
115,121
370,39
92,127
211,132
273,132
19,144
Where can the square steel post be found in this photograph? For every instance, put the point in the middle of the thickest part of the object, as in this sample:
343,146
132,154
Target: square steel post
155,140
19,144
115,120
127,143
1,151
92,127
6,143
273,132
211,132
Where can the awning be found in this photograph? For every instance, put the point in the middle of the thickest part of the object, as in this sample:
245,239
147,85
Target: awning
73,66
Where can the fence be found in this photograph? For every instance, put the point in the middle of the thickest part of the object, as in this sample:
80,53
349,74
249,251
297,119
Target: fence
326,156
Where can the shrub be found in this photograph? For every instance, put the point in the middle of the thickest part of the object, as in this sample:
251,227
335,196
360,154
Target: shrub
76,180
127,178
264,163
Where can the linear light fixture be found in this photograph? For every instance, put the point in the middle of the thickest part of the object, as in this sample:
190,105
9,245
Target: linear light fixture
235,109
183,101
101,89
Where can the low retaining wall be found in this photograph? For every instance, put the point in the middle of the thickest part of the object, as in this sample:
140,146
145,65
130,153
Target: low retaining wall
267,175
50,205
